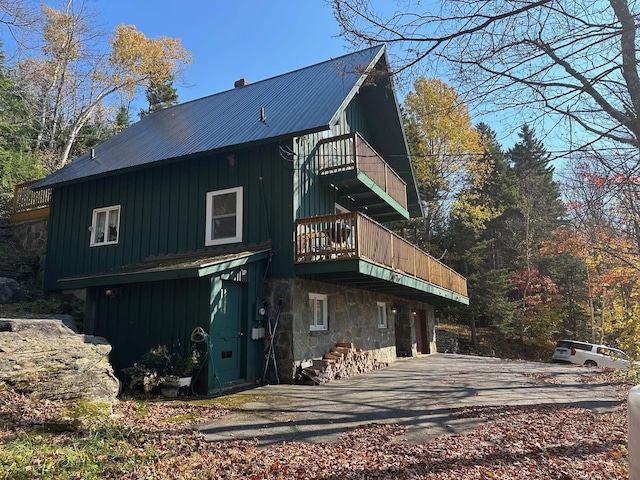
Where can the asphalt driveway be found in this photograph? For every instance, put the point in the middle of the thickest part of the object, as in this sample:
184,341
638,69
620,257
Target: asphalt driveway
418,393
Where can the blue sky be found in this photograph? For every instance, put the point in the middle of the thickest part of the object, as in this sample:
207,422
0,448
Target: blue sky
232,39
252,39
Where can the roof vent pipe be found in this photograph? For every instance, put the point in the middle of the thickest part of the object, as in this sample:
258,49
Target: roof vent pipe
263,117
93,153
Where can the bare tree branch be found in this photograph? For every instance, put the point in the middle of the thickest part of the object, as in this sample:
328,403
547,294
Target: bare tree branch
574,60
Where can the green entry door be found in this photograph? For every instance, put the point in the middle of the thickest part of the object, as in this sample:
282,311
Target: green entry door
227,335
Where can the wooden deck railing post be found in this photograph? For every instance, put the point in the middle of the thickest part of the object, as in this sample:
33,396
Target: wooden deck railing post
14,204
353,140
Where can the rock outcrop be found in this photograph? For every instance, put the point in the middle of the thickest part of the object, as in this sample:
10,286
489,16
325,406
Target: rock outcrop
43,358
16,262
10,291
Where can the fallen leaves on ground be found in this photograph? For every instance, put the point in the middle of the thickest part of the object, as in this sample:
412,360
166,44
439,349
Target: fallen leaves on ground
158,439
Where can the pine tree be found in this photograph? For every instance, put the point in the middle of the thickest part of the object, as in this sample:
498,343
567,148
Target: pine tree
540,213
122,119
18,162
472,243
540,206
159,96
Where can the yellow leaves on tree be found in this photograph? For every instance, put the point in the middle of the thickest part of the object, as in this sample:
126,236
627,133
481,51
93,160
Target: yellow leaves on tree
442,139
61,36
75,76
447,153
136,59
614,281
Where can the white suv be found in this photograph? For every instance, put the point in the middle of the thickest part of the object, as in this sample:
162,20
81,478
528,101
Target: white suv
589,354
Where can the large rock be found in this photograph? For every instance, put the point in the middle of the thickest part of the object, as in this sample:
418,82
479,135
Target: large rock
45,359
10,291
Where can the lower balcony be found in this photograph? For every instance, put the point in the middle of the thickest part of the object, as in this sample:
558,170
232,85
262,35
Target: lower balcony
353,249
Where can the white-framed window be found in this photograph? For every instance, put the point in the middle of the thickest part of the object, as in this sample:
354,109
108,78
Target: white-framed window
105,226
224,216
382,315
318,306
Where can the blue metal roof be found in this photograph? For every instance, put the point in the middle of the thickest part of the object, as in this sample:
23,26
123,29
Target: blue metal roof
294,103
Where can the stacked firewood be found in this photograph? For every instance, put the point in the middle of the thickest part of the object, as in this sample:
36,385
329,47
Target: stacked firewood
343,361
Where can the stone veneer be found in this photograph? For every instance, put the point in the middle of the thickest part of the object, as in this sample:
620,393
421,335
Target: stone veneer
352,318
32,236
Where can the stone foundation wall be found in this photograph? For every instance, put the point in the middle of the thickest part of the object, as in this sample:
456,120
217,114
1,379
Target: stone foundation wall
352,318
32,236
446,341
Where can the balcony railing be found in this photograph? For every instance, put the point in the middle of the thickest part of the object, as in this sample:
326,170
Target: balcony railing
352,152
28,204
24,199
354,235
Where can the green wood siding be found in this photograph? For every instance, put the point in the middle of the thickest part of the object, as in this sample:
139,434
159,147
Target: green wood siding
141,316
163,211
310,197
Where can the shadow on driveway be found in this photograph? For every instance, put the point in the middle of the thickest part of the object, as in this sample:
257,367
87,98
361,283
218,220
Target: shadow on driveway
418,393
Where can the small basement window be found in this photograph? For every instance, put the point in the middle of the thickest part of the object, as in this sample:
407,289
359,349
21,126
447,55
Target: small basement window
382,315
224,216
105,226
318,305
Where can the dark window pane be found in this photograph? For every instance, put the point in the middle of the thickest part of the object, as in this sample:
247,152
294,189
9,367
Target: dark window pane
224,204
224,227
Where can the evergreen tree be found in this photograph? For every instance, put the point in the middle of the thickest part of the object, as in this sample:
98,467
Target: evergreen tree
160,95
472,243
122,119
541,209
540,213
18,162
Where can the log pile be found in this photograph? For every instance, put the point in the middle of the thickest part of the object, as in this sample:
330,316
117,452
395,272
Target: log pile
343,361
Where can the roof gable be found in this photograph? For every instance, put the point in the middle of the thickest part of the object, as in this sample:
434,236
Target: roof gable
294,103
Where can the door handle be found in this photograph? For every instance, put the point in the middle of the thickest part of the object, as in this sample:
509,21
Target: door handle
240,334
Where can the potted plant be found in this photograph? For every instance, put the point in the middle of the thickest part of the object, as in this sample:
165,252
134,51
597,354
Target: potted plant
180,373
159,368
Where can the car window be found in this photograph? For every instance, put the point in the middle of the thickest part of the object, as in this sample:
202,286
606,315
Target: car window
583,346
619,354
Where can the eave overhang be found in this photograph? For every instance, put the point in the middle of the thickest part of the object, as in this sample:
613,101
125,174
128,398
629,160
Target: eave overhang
359,273
367,196
165,269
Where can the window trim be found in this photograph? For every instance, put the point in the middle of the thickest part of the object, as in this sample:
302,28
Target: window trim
94,225
382,308
324,323
208,241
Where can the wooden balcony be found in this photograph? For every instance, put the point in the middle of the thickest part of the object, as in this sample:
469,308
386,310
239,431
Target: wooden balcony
353,237
29,205
356,170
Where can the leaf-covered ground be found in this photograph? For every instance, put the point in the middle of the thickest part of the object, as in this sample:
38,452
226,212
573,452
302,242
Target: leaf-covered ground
154,439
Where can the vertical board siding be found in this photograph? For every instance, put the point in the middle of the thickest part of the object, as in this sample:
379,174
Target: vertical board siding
163,211
145,315
310,198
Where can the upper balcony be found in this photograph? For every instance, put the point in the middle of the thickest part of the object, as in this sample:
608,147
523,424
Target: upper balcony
29,205
353,167
353,249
